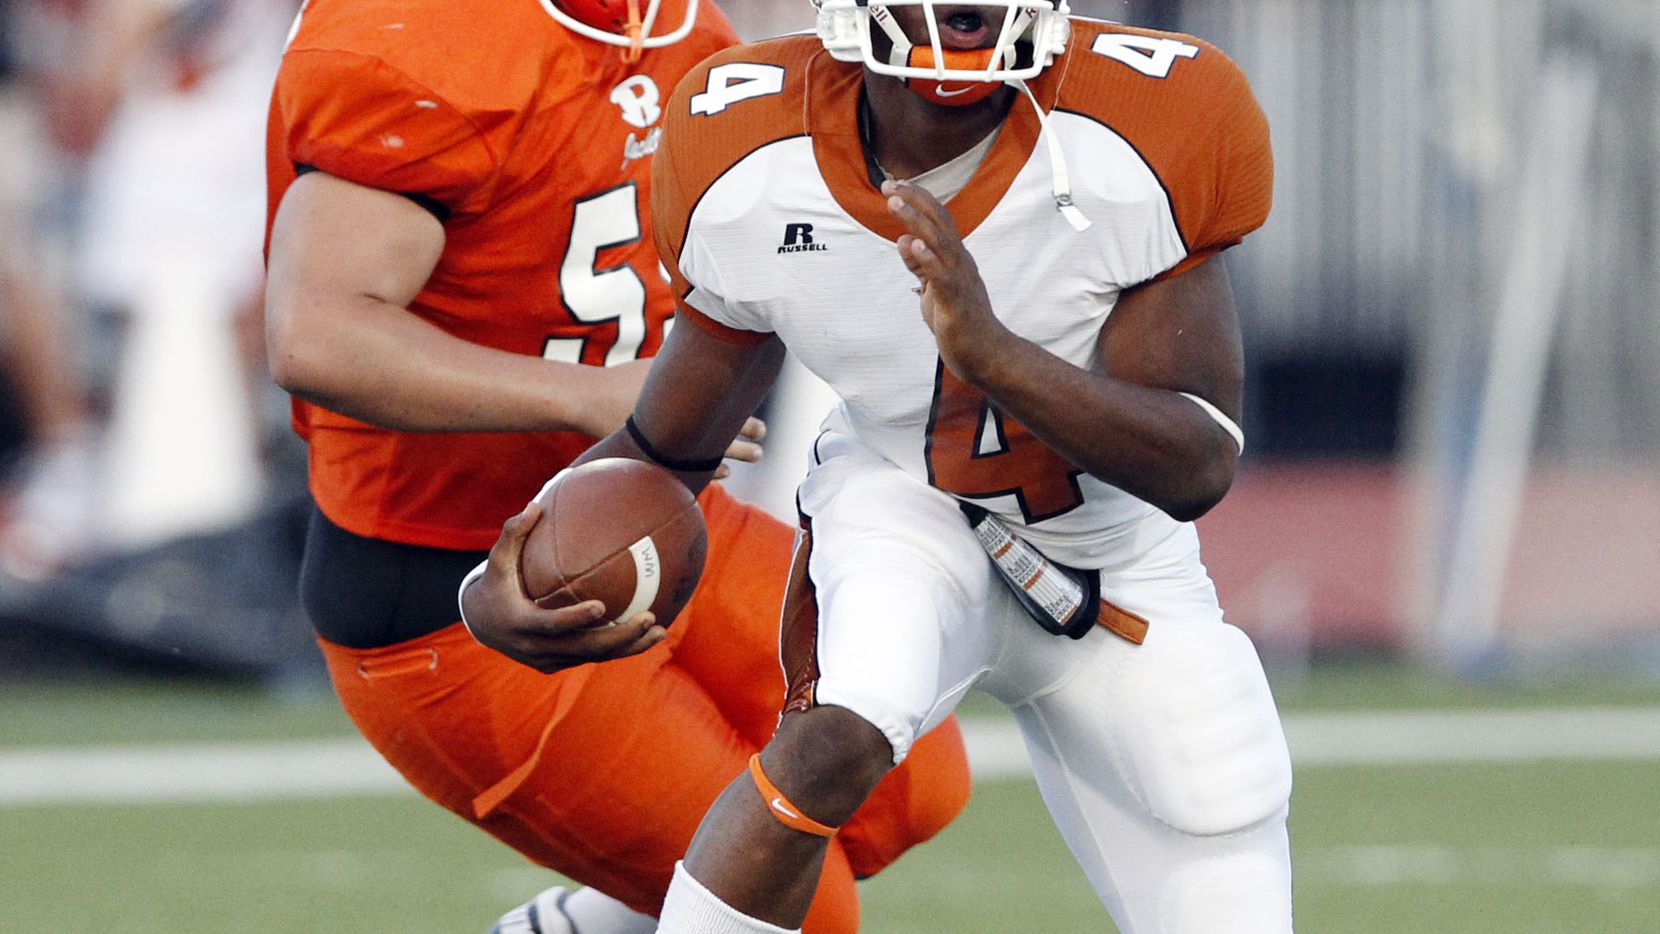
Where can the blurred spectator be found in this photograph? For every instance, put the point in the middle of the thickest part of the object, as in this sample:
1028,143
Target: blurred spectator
173,214
152,109
48,485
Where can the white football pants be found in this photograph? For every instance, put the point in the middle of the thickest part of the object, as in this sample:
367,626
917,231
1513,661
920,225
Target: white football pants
1163,764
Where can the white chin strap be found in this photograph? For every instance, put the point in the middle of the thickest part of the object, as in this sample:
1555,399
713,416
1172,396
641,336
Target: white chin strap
1000,63
1060,181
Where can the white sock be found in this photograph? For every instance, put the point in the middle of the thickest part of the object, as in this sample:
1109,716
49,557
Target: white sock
692,909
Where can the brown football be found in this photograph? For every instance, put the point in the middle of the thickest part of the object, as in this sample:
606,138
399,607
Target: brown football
617,530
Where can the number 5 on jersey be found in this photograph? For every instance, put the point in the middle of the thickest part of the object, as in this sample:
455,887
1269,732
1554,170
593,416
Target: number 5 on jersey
596,296
975,452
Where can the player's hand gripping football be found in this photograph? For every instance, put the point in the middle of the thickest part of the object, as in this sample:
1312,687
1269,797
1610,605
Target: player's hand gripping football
500,616
955,305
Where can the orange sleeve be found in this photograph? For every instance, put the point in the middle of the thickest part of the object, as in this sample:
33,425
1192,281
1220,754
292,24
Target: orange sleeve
1197,126
700,148
1223,188
670,217
358,118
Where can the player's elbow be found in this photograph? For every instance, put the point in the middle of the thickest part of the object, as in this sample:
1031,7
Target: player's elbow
1202,487
291,372
290,353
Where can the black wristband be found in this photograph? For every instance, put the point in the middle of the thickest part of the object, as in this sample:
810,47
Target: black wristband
650,450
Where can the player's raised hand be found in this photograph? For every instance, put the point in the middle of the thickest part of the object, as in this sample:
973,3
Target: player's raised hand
502,617
955,305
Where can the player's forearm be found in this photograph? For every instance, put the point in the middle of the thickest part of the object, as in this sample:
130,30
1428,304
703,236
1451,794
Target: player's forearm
1151,443
699,394
378,363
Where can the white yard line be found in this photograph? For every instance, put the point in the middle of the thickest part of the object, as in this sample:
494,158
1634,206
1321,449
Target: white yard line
347,766
323,768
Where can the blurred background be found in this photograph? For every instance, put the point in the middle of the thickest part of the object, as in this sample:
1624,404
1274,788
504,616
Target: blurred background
1444,536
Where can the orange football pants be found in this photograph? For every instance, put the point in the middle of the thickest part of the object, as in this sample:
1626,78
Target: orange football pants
603,772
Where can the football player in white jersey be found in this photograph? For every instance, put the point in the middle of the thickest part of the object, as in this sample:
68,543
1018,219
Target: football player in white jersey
993,230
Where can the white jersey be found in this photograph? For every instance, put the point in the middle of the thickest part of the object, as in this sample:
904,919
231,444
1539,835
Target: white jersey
1156,745
766,204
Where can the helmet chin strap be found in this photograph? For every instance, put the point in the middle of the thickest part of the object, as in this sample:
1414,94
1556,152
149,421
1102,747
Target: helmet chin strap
635,31
986,61
1060,180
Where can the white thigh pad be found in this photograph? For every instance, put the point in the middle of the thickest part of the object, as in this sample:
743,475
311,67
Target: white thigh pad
1202,743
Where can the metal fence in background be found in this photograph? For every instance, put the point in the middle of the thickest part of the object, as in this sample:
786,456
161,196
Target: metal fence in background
1472,185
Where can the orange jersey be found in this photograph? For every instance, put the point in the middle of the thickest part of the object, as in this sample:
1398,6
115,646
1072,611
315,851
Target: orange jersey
533,146
1168,158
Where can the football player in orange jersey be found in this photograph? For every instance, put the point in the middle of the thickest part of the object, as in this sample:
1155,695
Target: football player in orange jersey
463,293
1039,364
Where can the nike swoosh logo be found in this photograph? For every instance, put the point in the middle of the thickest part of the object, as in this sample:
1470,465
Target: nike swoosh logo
784,809
942,92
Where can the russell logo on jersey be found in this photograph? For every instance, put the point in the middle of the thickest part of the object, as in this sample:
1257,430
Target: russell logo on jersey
798,238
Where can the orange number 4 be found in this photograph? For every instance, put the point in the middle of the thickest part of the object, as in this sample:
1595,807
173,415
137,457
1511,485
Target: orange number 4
975,452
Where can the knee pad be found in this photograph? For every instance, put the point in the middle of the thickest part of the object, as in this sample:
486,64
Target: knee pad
1240,893
1202,743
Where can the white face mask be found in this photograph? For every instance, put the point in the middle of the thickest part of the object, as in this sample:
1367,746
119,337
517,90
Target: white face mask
936,70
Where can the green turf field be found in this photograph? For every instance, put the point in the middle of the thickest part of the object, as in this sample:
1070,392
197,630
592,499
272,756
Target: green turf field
1504,848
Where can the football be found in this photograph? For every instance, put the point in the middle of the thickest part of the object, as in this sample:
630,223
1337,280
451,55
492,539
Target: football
617,530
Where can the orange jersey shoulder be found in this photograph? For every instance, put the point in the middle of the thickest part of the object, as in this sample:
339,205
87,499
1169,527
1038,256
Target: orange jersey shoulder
730,105
428,97
1188,111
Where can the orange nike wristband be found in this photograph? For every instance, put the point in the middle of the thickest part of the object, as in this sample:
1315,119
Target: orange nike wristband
781,808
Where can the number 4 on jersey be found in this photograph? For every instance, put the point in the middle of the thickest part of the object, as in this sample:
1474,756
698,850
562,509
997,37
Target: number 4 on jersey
975,452
734,82
1153,56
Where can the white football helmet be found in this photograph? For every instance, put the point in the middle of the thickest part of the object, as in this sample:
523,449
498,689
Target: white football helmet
625,23
844,28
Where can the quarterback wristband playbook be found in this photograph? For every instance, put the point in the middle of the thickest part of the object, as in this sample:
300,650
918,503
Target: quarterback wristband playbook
1063,600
